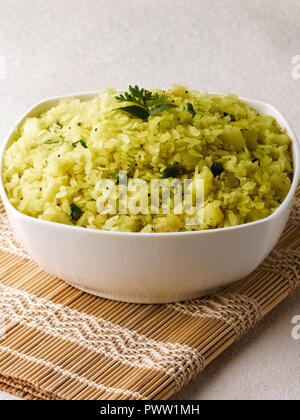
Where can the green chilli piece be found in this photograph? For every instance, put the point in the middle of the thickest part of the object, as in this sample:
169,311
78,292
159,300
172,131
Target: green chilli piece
217,169
172,171
76,212
232,117
53,141
82,142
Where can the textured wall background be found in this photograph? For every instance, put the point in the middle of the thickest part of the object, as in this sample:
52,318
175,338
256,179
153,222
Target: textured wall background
52,47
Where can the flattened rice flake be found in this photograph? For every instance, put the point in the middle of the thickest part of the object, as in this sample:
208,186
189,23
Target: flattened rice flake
44,173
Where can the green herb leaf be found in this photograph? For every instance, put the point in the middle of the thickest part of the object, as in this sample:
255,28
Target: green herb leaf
136,95
82,142
136,111
158,99
171,172
53,141
189,107
147,102
256,160
76,212
232,117
144,95
119,174
217,169
160,108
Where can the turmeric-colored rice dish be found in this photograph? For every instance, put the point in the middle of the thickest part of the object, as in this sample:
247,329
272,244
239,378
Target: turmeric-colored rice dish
53,167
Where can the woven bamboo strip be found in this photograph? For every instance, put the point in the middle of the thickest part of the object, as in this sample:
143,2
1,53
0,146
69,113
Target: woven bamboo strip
36,364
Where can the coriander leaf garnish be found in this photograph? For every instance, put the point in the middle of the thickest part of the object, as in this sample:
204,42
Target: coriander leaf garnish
189,107
136,95
53,141
147,103
82,142
217,169
171,171
158,99
76,212
232,117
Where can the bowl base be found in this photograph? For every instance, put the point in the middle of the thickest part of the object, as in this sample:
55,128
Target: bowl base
153,300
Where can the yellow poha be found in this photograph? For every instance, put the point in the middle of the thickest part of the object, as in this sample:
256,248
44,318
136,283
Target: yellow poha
52,169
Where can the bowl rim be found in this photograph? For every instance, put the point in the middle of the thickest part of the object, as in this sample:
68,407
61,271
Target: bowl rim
89,95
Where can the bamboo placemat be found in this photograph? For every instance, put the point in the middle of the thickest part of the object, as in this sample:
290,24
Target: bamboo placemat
61,343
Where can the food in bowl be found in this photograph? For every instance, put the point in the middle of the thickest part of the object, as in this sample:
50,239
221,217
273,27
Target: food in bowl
53,167
139,266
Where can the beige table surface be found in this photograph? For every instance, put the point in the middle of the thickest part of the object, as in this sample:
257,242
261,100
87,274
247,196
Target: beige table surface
52,47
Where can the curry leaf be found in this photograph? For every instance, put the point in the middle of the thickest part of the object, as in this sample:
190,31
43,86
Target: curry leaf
136,111
189,107
160,108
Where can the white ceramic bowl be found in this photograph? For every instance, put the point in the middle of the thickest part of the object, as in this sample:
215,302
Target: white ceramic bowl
147,267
